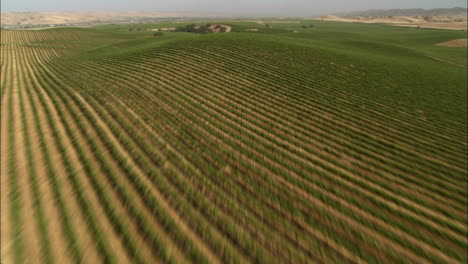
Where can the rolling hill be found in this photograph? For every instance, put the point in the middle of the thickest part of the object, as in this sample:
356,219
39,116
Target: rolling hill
331,143
457,11
441,18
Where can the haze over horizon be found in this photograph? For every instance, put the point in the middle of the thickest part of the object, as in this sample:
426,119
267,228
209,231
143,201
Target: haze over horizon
225,7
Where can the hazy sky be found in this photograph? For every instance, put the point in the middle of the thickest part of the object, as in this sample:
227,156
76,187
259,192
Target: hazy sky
238,7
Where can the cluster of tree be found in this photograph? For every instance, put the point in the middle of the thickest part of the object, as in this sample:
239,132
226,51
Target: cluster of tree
204,29
308,26
219,28
158,34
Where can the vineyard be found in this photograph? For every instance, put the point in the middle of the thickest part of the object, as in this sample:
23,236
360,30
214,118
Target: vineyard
270,147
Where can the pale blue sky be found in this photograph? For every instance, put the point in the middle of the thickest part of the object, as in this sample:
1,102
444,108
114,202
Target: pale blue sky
237,7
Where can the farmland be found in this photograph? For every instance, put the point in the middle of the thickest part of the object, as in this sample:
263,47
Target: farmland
331,143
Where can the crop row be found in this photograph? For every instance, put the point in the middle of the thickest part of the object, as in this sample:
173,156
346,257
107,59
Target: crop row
204,153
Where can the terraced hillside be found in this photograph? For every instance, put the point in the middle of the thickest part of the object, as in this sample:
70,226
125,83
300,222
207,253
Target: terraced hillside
230,148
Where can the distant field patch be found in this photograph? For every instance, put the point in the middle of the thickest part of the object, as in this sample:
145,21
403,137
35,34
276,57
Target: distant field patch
436,25
455,43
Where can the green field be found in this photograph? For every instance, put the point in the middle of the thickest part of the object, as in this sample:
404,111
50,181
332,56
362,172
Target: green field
337,143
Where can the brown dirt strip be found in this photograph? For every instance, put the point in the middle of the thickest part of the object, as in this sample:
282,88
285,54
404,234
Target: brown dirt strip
5,70
5,226
138,200
30,232
113,238
172,247
94,204
84,238
56,238
119,209
455,43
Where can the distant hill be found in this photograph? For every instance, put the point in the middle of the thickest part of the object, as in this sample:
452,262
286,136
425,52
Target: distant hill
40,19
457,11
441,18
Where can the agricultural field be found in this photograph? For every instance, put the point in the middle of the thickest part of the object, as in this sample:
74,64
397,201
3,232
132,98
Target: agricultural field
303,142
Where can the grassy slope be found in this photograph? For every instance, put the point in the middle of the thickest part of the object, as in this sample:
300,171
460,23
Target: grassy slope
414,81
335,91
334,33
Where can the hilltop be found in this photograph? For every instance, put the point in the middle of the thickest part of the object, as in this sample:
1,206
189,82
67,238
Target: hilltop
48,19
457,11
441,18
